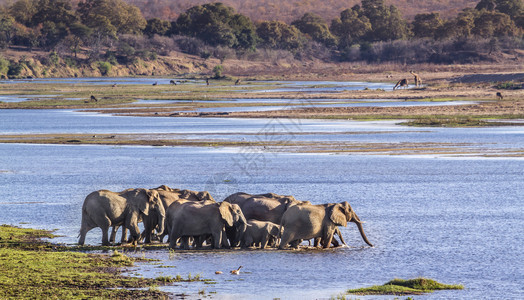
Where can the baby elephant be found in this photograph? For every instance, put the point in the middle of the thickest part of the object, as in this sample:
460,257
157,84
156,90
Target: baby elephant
260,232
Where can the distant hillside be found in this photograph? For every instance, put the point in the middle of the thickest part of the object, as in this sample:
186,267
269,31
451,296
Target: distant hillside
291,10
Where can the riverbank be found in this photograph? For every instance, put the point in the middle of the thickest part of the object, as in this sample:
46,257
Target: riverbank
31,268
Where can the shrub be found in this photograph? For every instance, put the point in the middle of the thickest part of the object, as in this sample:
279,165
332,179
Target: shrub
104,67
4,66
218,69
15,68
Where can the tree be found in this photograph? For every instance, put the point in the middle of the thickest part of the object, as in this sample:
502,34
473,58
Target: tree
123,17
350,27
7,30
386,22
279,35
486,4
23,11
465,22
494,24
157,26
314,26
217,24
512,8
427,25
59,12
80,34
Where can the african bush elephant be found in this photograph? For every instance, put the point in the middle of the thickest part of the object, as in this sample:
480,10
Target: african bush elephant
200,219
260,232
169,196
264,207
304,222
105,209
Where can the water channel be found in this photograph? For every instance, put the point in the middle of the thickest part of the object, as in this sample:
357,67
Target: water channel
456,219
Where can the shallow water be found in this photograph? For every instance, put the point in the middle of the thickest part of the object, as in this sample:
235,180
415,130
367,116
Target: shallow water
15,121
454,219
457,220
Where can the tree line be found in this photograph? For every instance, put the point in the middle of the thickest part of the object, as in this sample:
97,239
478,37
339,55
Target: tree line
117,32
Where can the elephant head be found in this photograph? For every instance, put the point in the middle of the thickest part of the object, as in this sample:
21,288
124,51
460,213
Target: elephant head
341,213
155,203
233,218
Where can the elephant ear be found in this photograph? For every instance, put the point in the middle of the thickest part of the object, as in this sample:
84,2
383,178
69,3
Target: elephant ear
143,204
186,194
204,196
225,213
152,197
338,215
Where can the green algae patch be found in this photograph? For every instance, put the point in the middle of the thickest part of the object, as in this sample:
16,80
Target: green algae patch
34,269
401,287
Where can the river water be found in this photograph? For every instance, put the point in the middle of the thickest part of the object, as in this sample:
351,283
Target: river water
456,219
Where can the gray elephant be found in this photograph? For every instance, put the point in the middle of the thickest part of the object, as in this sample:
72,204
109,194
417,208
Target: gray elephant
304,222
196,219
264,207
169,196
260,233
105,209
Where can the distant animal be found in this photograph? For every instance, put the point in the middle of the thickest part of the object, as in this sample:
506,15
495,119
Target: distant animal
114,85
207,81
499,96
93,98
172,82
237,271
416,78
401,83
237,82
155,83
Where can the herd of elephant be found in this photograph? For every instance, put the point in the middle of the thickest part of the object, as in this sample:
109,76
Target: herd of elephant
191,218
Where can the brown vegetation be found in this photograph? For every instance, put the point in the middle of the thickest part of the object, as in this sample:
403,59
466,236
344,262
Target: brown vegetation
291,10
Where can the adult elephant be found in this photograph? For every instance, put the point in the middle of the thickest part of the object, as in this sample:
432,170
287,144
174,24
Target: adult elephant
260,233
202,219
169,196
263,207
304,222
106,208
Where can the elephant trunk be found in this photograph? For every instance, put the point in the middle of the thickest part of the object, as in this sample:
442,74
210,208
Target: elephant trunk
241,227
361,229
161,219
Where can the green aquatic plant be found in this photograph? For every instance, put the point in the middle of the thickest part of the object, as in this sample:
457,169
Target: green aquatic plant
33,269
401,287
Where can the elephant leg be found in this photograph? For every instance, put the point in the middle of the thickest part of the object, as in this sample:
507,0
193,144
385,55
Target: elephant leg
217,239
264,241
294,244
114,229
123,238
185,242
326,240
83,232
248,240
287,237
173,238
105,235
225,241
340,236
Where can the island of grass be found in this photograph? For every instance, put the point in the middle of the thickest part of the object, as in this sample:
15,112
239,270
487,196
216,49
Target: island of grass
33,269
402,287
